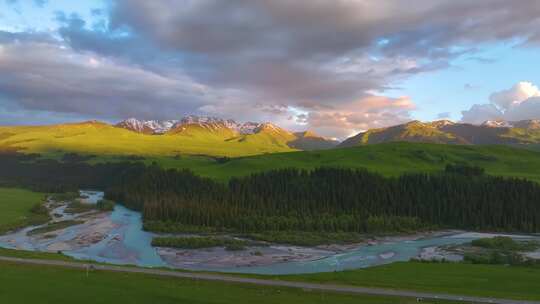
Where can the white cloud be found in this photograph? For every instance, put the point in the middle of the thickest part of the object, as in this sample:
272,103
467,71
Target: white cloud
479,113
520,102
520,92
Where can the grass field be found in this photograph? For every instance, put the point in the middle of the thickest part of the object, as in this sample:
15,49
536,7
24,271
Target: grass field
24,254
15,205
454,278
103,139
390,159
43,284
258,152
464,279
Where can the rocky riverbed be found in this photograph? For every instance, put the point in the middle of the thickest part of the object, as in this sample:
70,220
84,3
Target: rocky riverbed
117,237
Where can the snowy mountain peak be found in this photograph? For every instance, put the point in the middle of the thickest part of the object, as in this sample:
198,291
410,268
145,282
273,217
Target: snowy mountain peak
147,126
497,124
213,123
442,123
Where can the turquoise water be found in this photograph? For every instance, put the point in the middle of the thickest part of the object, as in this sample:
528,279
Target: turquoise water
365,256
128,243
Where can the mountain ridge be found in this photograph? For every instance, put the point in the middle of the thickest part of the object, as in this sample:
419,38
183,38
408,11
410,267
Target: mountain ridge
229,130
521,132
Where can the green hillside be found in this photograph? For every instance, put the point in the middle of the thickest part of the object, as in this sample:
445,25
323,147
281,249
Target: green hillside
524,133
414,131
390,159
103,139
194,139
202,151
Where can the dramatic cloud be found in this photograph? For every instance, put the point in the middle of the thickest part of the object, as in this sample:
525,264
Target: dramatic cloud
368,112
520,102
315,64
54,78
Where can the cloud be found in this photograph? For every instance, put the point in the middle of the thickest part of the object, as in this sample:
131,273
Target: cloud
444,115
315,28
520,92
527,109
51,77
520,102
470,86
365,113
40,3
324,65
479,113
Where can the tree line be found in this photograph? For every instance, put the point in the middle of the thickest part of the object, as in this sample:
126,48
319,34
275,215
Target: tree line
323,199
335,199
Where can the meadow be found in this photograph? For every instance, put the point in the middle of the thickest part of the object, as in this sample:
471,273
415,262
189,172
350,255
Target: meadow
498,281
103,139
214,155
390,159
44,284
16,206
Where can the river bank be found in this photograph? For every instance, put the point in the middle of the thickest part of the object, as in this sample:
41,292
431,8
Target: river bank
117,237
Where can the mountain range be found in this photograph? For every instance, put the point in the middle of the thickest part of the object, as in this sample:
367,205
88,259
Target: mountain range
525,132
227,129
441,131
193,135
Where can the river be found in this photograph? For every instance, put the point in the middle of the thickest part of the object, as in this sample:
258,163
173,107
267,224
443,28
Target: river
117,237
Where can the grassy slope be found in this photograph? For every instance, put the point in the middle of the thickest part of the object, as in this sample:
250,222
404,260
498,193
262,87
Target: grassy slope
15,205
414,131
389,159
463,279
103,139
32,284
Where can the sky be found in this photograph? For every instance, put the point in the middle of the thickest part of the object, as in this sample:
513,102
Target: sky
336,67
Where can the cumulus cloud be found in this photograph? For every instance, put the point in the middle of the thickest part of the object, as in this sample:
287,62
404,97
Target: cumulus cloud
479,113
520,102
514,96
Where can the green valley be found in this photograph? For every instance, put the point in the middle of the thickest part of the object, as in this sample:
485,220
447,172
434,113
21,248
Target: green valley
390,159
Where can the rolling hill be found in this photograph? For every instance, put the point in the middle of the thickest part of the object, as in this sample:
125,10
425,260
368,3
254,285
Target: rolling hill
526,132
155,138
389,159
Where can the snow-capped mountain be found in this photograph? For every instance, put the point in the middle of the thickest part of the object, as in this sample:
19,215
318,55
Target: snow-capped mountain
164,126
497,124
227,129
242,128
147,126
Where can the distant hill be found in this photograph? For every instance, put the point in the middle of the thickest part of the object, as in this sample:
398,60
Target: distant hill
526,132
231,131
210,136
191,135
311,141
389,159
